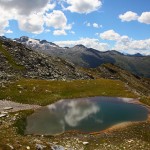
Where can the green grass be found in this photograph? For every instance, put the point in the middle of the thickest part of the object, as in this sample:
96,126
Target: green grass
44,92
10,59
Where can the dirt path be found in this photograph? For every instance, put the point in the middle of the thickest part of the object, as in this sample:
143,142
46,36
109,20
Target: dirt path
4,104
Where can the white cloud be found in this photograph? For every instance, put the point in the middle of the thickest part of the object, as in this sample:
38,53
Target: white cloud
88,24
145,18
34,23
128,16
133,46
47,30
88,42
97,34
126,44
95,25
24,7
83,6
32,16
56,19
110,35
9,31
59,32
72,32
50,6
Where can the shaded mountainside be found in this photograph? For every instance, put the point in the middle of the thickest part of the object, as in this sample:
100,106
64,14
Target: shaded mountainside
109,71
91,58
19,61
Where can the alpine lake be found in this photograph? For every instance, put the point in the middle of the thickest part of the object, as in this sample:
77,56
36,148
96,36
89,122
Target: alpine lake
85,115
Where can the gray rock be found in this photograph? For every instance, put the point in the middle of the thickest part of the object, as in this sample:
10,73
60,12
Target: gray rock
7,108
10,146
3,115
85,143
57,147
40,147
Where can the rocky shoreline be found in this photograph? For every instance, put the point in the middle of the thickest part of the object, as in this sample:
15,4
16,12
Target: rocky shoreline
10,106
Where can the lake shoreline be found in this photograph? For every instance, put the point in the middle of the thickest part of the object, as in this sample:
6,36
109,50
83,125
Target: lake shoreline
19,107
112,127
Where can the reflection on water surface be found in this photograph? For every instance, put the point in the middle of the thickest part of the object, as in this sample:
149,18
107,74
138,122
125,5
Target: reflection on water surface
86,115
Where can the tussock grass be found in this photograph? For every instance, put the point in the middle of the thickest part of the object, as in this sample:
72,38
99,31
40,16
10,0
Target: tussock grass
44,92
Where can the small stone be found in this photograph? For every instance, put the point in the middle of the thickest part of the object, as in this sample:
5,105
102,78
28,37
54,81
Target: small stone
4,112
57,147
28,147
55,143
85,143
11,147
3,86
40,147
3,115
7,108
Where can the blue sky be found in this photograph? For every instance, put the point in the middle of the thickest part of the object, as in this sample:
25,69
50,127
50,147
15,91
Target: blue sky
100,24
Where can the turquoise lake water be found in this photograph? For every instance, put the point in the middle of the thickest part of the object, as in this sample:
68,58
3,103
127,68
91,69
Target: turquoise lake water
85,115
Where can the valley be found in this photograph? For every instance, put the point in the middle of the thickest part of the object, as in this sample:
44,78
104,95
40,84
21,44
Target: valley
28,76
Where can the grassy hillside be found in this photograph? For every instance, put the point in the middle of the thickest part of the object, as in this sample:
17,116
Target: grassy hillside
44,92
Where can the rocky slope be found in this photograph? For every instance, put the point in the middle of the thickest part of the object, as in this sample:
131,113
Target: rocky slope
91,58
19,61
109,71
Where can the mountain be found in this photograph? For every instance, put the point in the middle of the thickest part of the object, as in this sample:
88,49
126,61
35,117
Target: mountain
137,54
91,58
19,61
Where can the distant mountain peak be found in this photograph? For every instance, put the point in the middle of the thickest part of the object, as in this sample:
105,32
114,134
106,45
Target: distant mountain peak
115,52
138,55
45,42
80,46
34,42
24,38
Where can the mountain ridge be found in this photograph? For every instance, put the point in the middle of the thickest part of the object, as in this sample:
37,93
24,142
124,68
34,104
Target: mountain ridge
91,58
